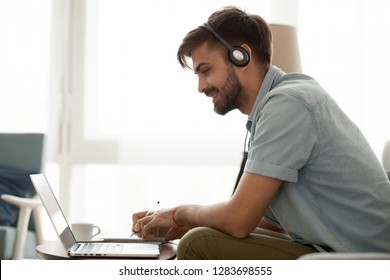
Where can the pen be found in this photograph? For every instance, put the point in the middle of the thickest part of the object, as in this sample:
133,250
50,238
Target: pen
147,214
150,211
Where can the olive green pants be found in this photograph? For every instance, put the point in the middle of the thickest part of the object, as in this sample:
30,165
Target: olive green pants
209,244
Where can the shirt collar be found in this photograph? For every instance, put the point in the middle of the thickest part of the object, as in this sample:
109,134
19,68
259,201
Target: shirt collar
271,79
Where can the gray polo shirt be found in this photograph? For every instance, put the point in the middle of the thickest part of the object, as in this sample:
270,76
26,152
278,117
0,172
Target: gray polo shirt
335,194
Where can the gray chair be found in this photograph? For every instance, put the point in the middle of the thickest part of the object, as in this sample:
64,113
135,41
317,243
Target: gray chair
20,155
386,158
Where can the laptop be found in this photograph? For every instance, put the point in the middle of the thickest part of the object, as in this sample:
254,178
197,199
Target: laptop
84,249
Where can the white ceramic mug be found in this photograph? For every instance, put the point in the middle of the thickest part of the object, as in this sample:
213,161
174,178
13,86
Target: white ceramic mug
85,231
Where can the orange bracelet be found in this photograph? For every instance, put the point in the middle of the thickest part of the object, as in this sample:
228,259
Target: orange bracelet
173,218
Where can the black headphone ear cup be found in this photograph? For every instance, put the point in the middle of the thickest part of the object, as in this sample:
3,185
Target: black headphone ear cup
239,56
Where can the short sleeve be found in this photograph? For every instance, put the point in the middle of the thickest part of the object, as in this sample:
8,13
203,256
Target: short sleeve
283,136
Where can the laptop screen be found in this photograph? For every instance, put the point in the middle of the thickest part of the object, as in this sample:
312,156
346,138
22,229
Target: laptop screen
53,209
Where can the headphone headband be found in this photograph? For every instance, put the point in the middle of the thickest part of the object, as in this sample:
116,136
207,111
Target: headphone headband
237,55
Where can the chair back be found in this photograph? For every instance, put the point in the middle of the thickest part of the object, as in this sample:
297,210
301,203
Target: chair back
20,155
22,150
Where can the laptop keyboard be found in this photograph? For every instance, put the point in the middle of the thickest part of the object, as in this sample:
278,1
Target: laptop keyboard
99,248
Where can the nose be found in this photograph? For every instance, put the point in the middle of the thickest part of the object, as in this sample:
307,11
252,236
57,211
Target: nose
201,85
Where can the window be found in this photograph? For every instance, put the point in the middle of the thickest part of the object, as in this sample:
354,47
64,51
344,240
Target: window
127,125
162,139
24,65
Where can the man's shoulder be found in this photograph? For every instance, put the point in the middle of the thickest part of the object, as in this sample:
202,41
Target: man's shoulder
298,88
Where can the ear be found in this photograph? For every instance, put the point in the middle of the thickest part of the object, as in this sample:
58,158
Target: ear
249,51
247,48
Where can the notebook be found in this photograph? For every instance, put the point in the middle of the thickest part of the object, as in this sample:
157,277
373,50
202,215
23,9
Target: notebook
96,249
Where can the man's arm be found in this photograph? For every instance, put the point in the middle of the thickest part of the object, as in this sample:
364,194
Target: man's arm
237,217
241,214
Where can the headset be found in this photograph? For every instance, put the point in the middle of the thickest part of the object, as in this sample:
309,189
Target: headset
237,55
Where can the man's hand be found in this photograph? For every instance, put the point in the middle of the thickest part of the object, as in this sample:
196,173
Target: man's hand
158,224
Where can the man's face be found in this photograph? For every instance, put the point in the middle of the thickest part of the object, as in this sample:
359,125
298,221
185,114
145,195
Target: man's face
217,79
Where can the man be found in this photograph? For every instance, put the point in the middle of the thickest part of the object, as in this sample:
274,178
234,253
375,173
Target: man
310,173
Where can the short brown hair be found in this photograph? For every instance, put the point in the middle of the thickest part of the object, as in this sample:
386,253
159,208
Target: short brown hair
236,27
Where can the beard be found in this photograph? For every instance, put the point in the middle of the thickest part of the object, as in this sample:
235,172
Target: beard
231,94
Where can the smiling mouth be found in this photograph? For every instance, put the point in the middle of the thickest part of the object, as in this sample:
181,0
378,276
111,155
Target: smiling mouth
213,95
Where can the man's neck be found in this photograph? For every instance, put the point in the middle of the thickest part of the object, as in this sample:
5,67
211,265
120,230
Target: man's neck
252,83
